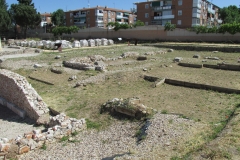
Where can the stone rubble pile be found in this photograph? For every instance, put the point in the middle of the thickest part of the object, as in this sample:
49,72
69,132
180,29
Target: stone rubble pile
58,127
154,53
47,44
16,90
130,54
130,106
4,144
87,63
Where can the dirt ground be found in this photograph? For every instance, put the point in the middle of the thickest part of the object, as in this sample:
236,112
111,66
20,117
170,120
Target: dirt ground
123,79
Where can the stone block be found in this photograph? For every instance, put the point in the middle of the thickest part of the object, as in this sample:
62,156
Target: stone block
4,147
23,149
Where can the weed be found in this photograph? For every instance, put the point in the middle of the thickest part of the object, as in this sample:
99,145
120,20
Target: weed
175,158
44,147
64,138
143,137
138,132
170,121
74,133
164,111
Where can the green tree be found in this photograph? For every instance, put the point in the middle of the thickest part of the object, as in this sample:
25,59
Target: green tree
25,15
58,17
58,31
169,27
5,20
138,23
230,14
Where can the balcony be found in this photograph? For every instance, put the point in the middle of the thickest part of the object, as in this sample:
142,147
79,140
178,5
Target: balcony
196,15
197,5
160,8
219,21
119,16
164,17
99,21
82,15
210,10
99,13
195,24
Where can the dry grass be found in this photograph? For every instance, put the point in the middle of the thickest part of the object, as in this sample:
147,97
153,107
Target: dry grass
124,80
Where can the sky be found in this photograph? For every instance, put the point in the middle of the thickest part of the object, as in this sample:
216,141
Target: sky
50,6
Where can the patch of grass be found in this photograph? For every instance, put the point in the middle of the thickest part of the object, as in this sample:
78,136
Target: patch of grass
93,125
175,158
164,111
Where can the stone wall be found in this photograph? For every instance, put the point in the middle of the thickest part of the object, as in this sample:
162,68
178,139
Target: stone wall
16,90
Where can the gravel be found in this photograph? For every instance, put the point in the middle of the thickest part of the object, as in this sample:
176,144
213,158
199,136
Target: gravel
119,140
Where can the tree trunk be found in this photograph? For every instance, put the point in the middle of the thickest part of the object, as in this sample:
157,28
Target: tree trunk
25,32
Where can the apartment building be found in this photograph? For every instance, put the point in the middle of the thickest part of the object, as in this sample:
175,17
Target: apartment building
97,17
183,13
46,19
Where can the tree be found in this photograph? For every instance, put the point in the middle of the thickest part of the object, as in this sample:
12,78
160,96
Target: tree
230,14
58,31
169,27
58,17
25,15
5,20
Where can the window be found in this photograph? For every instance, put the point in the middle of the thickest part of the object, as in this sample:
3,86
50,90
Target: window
113,14
179,12
146,6
88,12
179,22
146,15
179,2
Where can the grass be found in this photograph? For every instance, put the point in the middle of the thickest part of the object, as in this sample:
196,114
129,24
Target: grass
124,81
44,146
64,138
93,125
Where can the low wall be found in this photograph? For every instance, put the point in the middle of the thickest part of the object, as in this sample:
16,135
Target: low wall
151,32
191,65
201,86
232,67
15,90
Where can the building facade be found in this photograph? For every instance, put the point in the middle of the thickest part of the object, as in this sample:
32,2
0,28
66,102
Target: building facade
183,13
46,19
97,17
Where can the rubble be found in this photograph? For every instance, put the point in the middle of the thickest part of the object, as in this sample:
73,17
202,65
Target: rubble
58,126
131,107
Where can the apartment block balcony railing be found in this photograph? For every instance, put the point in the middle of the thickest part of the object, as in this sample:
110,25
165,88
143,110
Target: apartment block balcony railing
160,8
197,5
163,17
196,15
